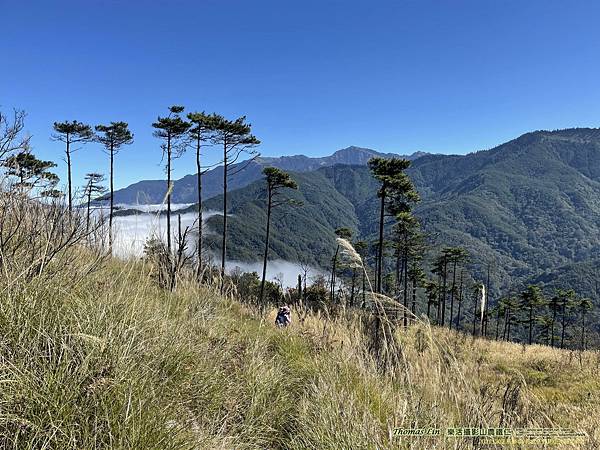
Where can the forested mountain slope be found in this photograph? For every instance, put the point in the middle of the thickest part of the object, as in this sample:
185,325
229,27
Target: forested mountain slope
528,207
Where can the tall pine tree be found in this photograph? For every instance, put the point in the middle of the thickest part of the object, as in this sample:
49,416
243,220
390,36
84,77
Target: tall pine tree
113,137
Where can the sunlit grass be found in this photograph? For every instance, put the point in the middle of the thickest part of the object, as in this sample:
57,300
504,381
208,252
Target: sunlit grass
115,362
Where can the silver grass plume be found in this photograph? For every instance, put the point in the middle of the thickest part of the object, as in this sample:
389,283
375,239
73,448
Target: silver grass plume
482,301
349,253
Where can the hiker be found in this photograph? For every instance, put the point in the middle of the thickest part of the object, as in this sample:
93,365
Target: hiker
284,316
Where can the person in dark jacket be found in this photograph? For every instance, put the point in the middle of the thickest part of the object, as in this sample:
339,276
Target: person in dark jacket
284,316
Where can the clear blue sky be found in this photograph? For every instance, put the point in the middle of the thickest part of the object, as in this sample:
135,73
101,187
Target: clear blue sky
312,76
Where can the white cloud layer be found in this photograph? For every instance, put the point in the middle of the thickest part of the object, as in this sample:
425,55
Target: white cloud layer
132,232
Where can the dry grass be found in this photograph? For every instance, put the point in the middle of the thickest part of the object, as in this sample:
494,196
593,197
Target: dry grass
115,362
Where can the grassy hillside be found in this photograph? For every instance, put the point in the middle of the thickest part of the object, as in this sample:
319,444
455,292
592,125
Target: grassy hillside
108,360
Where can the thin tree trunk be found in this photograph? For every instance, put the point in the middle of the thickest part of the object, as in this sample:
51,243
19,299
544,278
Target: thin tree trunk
264,272
444,291
564,313
474,312
460,300
428,308
452,294
199,243
582,330
497,324
364,287
399,271
552,326
414,294
352,287
333,268
169,197
224,240
89,201
69,176
112,196
380,247
438,309
487,302
405,277
530,324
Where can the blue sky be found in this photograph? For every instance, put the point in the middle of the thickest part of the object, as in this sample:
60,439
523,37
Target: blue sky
311,76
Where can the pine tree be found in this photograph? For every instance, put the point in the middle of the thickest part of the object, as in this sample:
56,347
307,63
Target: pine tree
568,300
555,305
476,293
440,268
396,193
203,126
171,130
531,299
418,279
113,137
71,133
457,257
408,242
276,180
511,306
236,140
93,187
432,292
30,171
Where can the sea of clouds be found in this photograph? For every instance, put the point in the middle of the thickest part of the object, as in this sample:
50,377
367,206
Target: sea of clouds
131,233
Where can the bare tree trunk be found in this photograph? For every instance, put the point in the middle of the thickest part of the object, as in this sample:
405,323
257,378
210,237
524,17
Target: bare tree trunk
264,272
69,176
583,330
169,197
530,324
199,243
475,299
379,265
87,219
352,287
333,268
112,196
224,240
552,326
487,302
414,294
452,289
405,277
564,313
444,291
460,300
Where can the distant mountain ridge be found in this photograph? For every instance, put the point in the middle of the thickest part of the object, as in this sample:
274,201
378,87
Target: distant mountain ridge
185,189
350,156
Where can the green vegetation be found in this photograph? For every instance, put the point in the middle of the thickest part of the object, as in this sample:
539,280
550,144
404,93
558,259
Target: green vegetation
169,352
